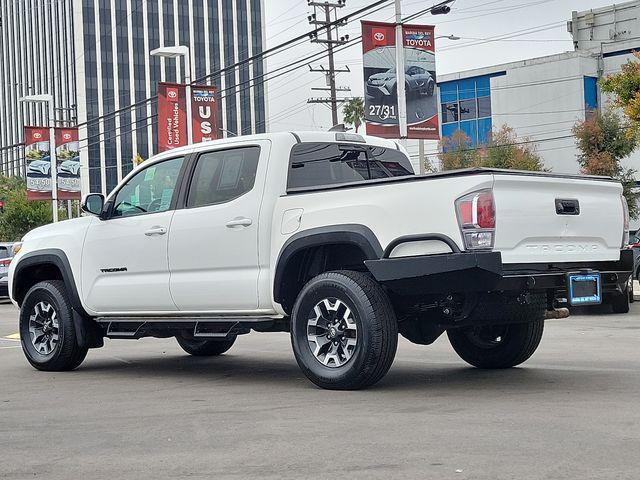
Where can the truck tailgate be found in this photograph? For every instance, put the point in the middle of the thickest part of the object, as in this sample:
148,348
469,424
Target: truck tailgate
532,228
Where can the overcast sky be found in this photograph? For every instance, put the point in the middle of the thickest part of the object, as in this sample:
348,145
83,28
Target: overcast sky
534,28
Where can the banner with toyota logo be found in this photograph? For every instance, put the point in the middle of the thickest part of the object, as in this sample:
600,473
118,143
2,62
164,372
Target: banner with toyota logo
381,101
38,156
172,116
68,160
204,113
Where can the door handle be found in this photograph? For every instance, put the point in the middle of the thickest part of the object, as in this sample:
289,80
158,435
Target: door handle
155,231
239,222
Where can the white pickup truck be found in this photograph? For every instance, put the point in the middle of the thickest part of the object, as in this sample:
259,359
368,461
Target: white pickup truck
327,235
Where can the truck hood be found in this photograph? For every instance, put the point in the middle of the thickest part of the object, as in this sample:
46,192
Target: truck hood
52,230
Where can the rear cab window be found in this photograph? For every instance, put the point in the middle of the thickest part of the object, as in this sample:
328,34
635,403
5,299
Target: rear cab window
324,164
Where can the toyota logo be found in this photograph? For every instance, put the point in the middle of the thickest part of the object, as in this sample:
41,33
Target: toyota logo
66,136
172,94
37,135
378,36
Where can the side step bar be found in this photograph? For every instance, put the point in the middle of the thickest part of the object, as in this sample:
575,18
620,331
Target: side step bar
199,327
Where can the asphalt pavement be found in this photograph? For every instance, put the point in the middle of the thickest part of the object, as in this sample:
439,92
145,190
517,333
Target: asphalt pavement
144,409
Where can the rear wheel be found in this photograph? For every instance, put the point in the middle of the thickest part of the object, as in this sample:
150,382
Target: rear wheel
497,346
620,302
47,332
205,347
344,331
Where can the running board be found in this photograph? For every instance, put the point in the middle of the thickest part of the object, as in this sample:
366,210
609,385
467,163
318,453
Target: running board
198,327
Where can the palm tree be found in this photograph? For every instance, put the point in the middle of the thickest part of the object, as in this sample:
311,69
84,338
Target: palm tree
353,112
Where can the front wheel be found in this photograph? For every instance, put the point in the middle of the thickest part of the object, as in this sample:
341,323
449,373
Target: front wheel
47,332
344,331
497,346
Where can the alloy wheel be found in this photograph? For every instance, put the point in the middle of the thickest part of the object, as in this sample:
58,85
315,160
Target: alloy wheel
44,328
332,332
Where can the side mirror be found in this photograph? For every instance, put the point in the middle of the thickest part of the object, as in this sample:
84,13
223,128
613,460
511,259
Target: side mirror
93,203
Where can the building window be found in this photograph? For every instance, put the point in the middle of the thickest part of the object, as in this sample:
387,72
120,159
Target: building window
590,93
450,112
468,110
465,105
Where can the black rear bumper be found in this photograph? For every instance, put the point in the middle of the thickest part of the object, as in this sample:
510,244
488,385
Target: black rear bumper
485,272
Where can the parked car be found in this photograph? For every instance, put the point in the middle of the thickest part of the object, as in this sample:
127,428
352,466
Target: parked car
418,82
39,167
70,167
6,255
634,245
294,232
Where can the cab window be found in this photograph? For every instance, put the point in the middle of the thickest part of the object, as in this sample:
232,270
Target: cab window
223,175
327,164
148,191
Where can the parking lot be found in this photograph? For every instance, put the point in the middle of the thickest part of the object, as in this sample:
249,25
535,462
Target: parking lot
144,409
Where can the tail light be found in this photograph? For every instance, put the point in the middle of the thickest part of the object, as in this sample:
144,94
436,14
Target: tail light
477,219
5,262
625,230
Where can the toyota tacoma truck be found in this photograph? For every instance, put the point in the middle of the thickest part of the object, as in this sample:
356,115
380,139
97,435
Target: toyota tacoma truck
331,237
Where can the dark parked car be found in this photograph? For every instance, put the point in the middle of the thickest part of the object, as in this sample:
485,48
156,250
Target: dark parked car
418,82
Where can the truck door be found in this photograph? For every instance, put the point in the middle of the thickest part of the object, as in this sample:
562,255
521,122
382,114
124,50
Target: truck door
213,241
124,259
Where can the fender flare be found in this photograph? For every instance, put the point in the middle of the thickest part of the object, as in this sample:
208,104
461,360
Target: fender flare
352,234
50,256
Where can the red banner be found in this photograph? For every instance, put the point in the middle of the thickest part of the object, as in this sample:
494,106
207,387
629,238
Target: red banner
68,163
172,116
38,156
204,113
381,102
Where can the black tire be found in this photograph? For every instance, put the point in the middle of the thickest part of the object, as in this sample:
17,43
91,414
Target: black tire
205,347
518,342
65,354
376,330
501,345
620,302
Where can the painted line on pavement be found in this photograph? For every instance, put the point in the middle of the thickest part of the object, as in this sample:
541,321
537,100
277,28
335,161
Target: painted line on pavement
13,336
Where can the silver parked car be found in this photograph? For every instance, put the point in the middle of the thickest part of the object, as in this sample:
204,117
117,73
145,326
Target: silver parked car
70,167
418,82
39,167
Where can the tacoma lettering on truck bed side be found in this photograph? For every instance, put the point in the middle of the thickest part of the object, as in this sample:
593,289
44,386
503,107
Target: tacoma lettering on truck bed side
328,236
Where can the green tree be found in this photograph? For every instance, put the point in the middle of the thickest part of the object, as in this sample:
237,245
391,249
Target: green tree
20,215
137,160
457,152
505,150
502,150
604,140
353,112
625,88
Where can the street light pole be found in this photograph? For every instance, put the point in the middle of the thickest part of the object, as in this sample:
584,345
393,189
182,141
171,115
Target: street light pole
176,52
48,99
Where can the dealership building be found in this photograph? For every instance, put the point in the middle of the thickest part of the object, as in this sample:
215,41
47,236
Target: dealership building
93,57
542,98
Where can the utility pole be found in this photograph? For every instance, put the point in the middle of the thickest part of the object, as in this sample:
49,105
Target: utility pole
400,74
328,10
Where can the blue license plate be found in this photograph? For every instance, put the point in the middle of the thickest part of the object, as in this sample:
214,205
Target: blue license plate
584,289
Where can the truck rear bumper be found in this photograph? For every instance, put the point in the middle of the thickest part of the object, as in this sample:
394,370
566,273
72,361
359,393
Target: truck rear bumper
485,272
